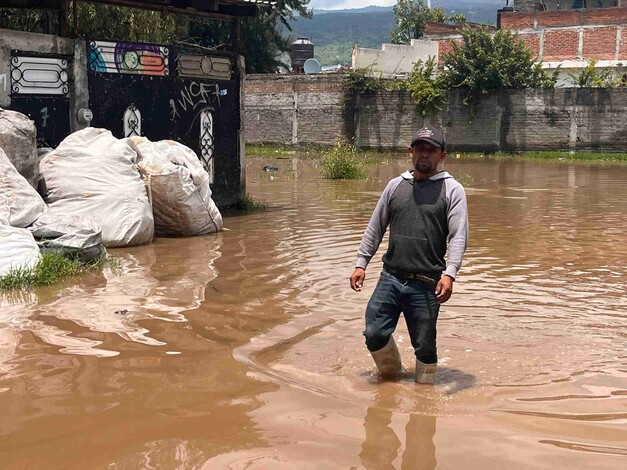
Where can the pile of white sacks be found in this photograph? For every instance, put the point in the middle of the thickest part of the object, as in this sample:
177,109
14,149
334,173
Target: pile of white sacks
99,192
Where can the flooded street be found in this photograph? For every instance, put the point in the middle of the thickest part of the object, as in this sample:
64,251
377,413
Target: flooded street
243,350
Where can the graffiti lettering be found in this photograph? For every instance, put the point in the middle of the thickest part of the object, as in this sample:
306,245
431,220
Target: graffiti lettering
194,95
3,81
44,117
173,112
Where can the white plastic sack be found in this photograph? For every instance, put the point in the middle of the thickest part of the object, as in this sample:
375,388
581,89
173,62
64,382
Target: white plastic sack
18,138
74,236
93,175
18,199
5,210
178,187
19,249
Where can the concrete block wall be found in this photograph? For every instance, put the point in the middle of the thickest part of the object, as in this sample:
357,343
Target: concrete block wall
302,109
293,109
506,120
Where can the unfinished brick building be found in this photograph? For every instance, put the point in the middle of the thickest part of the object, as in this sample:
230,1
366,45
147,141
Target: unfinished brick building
572,33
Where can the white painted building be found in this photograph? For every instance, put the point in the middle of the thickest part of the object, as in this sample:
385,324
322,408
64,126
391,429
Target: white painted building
394,59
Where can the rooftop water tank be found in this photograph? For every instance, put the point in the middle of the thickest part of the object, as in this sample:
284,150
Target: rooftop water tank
302,49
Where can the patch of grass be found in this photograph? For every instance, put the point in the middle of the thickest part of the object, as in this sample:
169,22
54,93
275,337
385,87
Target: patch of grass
249,204
341,162
274,151
545,155
581,155
51,268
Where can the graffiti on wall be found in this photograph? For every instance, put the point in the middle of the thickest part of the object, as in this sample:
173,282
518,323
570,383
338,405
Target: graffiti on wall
126,57
193,95
50,114
196,103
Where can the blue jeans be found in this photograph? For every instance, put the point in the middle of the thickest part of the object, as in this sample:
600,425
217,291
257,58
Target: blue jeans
420,308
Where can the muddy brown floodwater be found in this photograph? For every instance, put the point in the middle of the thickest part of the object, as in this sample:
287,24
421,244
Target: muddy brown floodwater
244,349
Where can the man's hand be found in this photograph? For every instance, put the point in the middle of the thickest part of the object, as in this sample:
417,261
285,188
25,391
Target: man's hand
357,279
444,289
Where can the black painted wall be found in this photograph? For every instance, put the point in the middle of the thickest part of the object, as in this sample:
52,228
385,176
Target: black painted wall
170,108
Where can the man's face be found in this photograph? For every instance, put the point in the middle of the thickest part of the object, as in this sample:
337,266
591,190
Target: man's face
425,157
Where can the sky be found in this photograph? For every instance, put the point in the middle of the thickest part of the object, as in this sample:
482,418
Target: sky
346,4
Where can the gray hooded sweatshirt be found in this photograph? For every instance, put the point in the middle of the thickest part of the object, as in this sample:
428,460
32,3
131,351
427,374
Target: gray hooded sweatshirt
425,218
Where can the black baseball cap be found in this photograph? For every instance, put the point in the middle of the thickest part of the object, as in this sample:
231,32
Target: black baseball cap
429,134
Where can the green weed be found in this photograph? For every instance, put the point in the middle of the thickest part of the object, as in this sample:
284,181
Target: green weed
248,204
465,179
341,162
274,151
51,268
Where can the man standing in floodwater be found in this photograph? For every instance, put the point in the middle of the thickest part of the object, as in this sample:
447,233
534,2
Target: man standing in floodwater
427,214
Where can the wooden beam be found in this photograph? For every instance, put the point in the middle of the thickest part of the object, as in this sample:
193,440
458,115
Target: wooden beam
210,9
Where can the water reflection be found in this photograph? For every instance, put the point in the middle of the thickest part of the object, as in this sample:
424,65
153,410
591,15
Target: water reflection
158,281
381,445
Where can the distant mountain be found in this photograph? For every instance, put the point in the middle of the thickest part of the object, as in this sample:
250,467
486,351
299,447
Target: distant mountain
334,32
370,9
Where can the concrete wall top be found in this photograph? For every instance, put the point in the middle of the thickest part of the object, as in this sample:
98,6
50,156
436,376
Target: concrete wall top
283,83
521,20
394,59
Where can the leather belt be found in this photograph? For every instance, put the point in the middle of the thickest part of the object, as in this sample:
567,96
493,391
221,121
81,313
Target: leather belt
412,276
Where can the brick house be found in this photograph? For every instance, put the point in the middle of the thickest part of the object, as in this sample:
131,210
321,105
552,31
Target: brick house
571,33
564,33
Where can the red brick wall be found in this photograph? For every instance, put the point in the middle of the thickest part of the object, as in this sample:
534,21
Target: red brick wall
622,52
560,45
558,18
599,43
444,47
591,16
532,41
561,32
515,20
439,28
605,15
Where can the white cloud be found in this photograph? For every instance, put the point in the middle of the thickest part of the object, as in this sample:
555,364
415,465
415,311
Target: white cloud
346,4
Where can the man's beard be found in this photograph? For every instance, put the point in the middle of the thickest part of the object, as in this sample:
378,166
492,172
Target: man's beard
424,167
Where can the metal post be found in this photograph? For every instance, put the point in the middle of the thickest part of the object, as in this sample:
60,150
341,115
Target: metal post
75,19
63,26
236,36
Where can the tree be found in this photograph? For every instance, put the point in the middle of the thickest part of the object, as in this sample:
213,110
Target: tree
96,21
412,17
484,62
425,87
